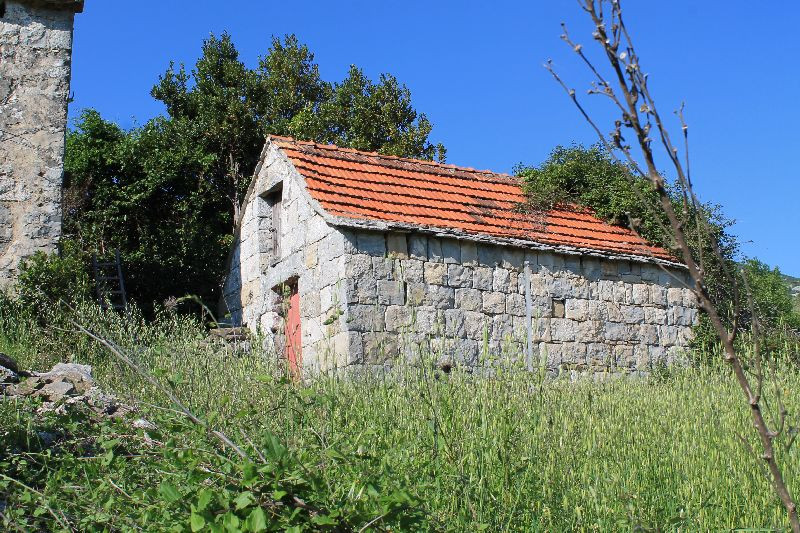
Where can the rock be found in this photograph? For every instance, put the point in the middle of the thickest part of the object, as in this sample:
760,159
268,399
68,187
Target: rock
230,334
141,423
7,377
56,391
66,385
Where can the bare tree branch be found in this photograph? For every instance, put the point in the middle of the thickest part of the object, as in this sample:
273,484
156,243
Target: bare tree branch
639,114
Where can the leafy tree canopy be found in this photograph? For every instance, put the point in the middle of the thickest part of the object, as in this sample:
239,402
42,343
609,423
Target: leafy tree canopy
590,177
167,193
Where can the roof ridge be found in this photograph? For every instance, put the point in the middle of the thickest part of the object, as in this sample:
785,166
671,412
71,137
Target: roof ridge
334,147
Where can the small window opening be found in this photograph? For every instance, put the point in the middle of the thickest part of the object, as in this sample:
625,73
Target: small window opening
275,201
558,308
2,9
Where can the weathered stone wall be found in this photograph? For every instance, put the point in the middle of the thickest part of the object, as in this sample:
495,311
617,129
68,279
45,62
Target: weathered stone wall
35,52
464,302
369,299
311,252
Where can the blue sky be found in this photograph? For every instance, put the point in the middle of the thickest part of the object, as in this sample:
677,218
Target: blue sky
475,68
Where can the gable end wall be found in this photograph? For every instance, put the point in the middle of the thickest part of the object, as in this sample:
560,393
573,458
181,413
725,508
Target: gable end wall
311,251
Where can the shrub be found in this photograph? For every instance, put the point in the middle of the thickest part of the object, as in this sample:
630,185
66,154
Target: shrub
45,279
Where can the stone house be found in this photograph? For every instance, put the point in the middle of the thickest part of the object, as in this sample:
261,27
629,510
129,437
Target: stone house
347,258
35,67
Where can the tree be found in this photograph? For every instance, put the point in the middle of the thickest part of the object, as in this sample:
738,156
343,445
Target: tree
168,193
625,84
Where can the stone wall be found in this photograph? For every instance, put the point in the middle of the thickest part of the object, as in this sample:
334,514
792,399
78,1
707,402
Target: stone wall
35,52
464,302
311,252
369,299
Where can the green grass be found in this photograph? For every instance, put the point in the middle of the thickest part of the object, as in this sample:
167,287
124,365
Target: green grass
511,452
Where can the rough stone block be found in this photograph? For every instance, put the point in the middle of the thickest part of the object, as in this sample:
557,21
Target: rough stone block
501,280
440,297
624,356
598,354
640,294
655,315
562,329
589,330
398,317
465,352
615,331
348,348
396,245
632,314
451,251
658,295
474,324
541,329
489,255
326,298
454,323
502,327
512,258
573,353
380,347
668,335
459,276
551,354
674,296
482,278
435,250
415,293
362,289
372,243
426,320
515,304
648,334
418,246
391,292
358,265
469,253
412,270
311,256
468,299
436,273
577,309
658,355
383,267
494,302
365,317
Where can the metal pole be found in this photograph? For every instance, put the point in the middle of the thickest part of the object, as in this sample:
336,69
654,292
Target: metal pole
528,315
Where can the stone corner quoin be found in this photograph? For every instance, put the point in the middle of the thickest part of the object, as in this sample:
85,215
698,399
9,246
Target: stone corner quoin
35,58
370,297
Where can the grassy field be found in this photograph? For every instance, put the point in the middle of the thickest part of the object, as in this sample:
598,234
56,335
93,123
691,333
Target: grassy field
419,450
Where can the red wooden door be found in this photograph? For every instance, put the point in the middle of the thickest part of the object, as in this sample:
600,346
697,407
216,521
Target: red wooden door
294,339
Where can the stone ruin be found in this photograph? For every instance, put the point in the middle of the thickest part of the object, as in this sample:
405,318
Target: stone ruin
35,57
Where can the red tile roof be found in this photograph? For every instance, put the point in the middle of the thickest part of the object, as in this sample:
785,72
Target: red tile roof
368,186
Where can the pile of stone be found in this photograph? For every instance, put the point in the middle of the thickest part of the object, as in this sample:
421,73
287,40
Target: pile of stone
236,338
64,386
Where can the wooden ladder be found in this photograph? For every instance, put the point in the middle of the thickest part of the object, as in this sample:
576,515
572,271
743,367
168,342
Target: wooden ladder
109,283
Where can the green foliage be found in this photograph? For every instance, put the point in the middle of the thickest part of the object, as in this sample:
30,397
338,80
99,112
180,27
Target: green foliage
589,177
772,302
46,279
167,193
